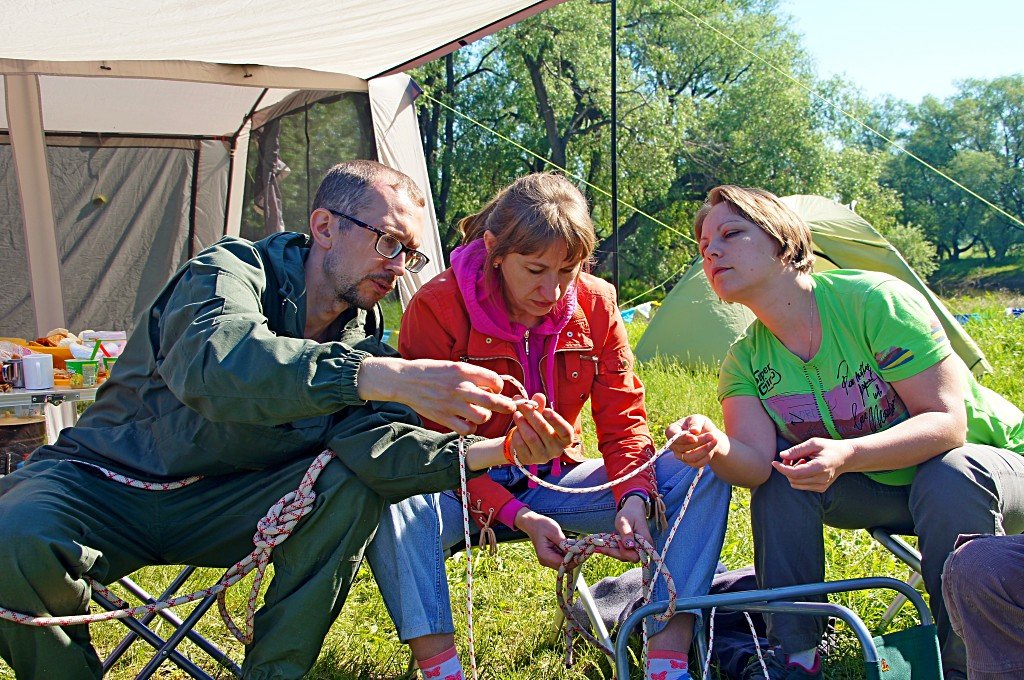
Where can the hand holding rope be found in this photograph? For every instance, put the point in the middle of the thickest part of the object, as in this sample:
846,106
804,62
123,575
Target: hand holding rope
272,530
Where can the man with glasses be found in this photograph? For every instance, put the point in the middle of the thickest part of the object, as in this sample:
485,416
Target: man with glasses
252,360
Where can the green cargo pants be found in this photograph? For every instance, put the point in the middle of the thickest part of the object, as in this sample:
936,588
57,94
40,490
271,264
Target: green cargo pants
60,522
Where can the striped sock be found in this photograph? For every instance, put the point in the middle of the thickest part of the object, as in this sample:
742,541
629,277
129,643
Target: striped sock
664,664
444,666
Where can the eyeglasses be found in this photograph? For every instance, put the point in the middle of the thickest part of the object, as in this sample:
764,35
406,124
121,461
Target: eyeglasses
389,246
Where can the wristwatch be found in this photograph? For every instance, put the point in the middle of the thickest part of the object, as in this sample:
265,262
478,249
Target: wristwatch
642,495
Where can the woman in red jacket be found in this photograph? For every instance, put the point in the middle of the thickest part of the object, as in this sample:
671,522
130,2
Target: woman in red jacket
517,301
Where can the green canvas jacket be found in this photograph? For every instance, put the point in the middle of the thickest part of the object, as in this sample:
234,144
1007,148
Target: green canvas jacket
216,378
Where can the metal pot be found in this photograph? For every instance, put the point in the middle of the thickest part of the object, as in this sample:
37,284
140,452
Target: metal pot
13,373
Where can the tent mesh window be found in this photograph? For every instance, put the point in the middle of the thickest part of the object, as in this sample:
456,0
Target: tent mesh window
124,220
291,151
17,316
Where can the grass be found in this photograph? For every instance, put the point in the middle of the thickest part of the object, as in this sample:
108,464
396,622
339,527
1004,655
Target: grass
514,598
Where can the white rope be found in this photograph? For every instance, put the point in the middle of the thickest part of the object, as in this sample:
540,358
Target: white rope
469,557
272,530
576,552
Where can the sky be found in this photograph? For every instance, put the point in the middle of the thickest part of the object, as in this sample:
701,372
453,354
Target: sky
911,48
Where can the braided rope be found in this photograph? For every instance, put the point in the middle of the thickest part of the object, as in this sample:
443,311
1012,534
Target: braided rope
576,553
648,556
272,530
711,642
469,556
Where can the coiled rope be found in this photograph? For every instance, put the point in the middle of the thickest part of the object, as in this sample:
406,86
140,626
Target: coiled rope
577,551
272,530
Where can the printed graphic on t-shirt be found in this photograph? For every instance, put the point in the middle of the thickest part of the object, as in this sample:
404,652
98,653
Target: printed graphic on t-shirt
796,416
862,402
859,402
766,379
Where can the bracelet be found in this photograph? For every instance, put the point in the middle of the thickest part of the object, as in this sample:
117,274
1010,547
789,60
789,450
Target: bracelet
507,447
642,495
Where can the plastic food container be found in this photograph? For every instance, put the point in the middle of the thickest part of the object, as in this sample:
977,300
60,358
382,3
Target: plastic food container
88,369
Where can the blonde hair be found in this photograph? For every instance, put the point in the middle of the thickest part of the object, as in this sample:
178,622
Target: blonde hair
532,213
767,211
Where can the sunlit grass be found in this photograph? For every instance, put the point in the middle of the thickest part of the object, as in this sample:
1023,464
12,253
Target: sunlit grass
514,598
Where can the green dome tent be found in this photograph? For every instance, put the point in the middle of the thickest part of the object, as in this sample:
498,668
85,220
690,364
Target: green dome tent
694,326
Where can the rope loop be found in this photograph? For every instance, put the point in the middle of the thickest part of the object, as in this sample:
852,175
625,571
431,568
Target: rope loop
576,552
272,530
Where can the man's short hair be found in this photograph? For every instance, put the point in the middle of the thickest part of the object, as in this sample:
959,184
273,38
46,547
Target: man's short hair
344,188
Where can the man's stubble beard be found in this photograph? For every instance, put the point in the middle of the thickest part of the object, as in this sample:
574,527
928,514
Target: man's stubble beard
346,290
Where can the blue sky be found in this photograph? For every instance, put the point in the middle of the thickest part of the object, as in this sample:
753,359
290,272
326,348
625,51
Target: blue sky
911,48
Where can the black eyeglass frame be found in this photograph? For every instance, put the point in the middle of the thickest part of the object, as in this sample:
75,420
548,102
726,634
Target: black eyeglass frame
415,260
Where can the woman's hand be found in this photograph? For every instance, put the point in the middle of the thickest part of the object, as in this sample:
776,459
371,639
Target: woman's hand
699,440
814,464
541,433
545,535
630,521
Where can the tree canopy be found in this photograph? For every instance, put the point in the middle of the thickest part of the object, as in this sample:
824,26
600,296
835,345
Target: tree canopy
712,92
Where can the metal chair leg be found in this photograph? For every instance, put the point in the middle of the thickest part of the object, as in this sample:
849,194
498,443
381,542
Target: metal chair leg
166,649
905,553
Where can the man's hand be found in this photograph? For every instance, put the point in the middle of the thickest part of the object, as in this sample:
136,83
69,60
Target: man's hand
699,441
455,395
541,433
814,464
630,520
545,535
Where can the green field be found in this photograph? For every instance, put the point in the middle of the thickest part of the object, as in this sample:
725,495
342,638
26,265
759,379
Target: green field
514,598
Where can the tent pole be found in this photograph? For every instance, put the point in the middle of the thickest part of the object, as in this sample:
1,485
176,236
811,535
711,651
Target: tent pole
28,142
615,149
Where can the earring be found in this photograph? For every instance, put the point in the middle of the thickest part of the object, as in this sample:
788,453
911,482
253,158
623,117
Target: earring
497,264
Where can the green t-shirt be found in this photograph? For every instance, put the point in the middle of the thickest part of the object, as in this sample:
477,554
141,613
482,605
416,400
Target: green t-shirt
876,330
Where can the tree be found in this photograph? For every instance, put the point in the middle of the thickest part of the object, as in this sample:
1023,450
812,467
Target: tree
975,137
696,110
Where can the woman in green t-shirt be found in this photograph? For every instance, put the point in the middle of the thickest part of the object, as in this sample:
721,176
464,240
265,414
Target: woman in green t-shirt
845,405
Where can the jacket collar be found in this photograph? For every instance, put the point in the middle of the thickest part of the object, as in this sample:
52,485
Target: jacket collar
574,336
284,257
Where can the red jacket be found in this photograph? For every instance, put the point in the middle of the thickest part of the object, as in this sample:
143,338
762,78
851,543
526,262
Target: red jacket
592,361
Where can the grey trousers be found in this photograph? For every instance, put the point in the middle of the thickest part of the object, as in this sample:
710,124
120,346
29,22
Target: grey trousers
981,585
973,489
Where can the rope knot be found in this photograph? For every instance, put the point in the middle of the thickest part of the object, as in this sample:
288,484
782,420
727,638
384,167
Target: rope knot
282,517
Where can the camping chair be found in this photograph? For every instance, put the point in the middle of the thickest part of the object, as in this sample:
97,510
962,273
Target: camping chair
910,653
166,649
905,553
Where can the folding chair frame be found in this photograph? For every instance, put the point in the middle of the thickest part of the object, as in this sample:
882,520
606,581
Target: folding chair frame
166,649
779,600
905,553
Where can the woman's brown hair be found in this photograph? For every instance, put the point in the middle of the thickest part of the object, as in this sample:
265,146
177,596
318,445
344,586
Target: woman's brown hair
767,211
530,214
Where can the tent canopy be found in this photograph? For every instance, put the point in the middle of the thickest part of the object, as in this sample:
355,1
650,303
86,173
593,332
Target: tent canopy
125,129
841,238
358,38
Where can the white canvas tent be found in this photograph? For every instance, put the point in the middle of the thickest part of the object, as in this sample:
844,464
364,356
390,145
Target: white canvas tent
124,128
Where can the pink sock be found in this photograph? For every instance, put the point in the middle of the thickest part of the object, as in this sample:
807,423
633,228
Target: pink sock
444,666
664,664
799,660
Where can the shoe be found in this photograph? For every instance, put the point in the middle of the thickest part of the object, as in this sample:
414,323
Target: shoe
778,669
